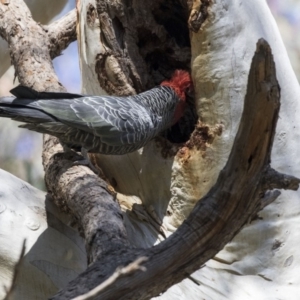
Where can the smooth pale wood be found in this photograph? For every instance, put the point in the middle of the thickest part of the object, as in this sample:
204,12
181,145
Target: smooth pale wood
26,213
263,255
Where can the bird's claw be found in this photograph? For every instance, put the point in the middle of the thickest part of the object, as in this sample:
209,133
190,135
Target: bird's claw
87,163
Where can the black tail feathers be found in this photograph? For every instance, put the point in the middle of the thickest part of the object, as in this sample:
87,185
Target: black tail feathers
23,114
25,92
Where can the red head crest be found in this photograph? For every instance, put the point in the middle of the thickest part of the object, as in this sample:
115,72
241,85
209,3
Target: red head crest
180,82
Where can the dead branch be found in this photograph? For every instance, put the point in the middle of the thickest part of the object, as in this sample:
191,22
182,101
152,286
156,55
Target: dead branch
276,180
132,267
61,33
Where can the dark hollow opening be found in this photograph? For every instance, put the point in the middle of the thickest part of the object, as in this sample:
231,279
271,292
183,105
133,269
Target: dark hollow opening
174,53
182,130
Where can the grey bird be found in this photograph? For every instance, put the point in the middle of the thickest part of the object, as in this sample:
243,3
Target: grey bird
100,124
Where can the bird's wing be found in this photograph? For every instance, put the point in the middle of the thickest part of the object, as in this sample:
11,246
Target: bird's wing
115,120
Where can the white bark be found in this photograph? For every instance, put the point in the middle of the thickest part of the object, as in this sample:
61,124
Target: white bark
261,262
55,254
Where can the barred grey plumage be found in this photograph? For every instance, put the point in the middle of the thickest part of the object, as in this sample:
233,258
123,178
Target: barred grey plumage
102,124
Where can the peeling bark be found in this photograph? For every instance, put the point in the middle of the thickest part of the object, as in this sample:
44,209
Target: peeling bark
139,45
199,14
146,42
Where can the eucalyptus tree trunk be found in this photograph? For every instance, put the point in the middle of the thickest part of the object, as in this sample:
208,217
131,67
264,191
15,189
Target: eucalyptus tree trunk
137,44
127,47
